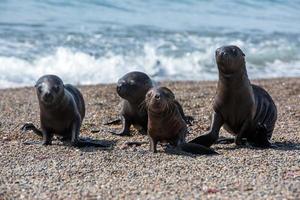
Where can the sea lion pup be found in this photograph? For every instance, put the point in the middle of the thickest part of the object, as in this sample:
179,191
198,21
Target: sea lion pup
166,124
132,88
245,110
62,110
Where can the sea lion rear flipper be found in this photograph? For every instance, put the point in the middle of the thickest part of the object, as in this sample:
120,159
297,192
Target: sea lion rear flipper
212,135
134,143
260,138
125,128
196,149
206,140
189,120
224,140
28,126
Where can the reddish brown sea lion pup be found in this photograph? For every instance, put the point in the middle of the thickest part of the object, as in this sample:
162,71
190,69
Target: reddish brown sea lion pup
132,88
62,110
245,110
166,124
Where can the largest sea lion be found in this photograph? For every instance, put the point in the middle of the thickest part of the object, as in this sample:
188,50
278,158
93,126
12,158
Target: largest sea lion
245,110
166,123
62,110
132,88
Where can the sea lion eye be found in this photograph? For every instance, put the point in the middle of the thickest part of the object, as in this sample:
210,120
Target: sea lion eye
131,82
40,89
234,52
56,88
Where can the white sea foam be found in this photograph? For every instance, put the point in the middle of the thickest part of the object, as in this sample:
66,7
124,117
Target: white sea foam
81,68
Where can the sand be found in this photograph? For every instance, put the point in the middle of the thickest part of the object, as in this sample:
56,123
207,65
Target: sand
62,172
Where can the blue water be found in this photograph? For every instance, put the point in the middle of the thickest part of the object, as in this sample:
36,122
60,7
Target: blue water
97,41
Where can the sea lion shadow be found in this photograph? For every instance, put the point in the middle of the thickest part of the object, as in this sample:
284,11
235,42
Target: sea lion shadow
285,146
173,151
235,147
280,146
107,145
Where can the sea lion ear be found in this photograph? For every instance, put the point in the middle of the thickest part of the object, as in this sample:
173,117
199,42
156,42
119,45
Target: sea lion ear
168,92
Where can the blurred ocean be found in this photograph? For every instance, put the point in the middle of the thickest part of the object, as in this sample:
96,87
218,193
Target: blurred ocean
97,41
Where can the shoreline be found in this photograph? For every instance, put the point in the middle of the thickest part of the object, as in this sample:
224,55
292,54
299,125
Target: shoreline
161,81
59,172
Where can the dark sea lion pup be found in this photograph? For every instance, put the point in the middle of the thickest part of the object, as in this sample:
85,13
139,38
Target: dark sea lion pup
132,88
245,110
62,110
166,124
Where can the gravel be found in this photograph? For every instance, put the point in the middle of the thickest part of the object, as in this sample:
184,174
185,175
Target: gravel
32,171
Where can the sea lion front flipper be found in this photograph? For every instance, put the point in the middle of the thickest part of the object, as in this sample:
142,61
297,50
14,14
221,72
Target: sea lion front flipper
76,131
81,142
212,135
47,137
196,149
125,127
153,144
28,126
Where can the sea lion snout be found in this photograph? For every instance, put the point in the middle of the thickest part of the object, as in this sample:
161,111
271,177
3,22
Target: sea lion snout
221,52
222,55
47,97
157,96
154,100
159,99
122,88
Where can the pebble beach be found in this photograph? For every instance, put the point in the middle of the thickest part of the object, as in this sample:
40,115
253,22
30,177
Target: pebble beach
29,170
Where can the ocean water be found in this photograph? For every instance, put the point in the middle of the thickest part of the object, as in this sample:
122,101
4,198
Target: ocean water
97,41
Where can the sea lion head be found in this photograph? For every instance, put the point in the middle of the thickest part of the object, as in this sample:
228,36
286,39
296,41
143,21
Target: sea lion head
133,86
49,89
159,100
230,59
